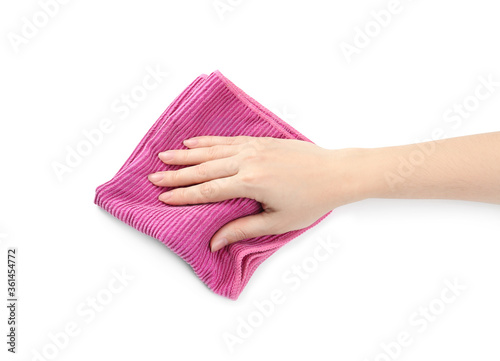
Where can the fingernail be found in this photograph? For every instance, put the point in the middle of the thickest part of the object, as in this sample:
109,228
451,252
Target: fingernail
219,243
165,156
190,142
155,177
165,196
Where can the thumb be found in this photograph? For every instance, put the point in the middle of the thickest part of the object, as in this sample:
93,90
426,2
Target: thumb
257,225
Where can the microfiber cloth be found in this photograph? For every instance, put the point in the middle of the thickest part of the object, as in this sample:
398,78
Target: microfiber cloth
210,105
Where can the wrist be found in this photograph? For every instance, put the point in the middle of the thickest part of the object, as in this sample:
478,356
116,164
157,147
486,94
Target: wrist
359,173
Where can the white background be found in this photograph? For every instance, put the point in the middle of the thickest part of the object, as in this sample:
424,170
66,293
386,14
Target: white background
394,254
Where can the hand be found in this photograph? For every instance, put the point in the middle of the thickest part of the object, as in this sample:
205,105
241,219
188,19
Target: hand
296,182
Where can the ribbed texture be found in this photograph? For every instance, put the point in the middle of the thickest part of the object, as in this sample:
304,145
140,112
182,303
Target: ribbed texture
211,105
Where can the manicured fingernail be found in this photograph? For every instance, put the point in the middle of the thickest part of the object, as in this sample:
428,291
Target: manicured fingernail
165,156
219,243
165,196
155,177
190,142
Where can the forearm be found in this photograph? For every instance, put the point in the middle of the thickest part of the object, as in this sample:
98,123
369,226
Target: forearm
465,168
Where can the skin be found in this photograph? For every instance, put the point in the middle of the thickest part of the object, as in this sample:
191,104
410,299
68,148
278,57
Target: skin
298,182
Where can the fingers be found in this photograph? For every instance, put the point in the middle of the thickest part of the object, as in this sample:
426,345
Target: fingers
197,156
257,225
212,191
204,172
208,141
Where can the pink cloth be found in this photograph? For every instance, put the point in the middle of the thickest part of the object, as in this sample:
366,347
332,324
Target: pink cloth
211,105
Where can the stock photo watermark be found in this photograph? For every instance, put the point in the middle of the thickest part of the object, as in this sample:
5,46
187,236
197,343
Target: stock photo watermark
292,280
453,116
12,305
86,312
12,327
284,113
222,7
32,25
365,34
420,320
121,107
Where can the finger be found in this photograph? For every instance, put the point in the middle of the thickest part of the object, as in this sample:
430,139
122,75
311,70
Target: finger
208,141
197,156
212,191
257,225
200,173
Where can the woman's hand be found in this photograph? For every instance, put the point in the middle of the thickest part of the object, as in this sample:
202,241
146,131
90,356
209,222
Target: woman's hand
296,182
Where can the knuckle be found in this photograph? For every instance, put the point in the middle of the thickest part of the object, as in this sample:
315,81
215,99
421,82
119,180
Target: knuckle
250,152
201,170
213,152
237,139
171,176
181,156
207,191
261,142
232,166
248,179
249,185
240,234
182,196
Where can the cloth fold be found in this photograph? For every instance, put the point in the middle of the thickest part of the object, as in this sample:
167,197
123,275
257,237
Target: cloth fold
210,105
